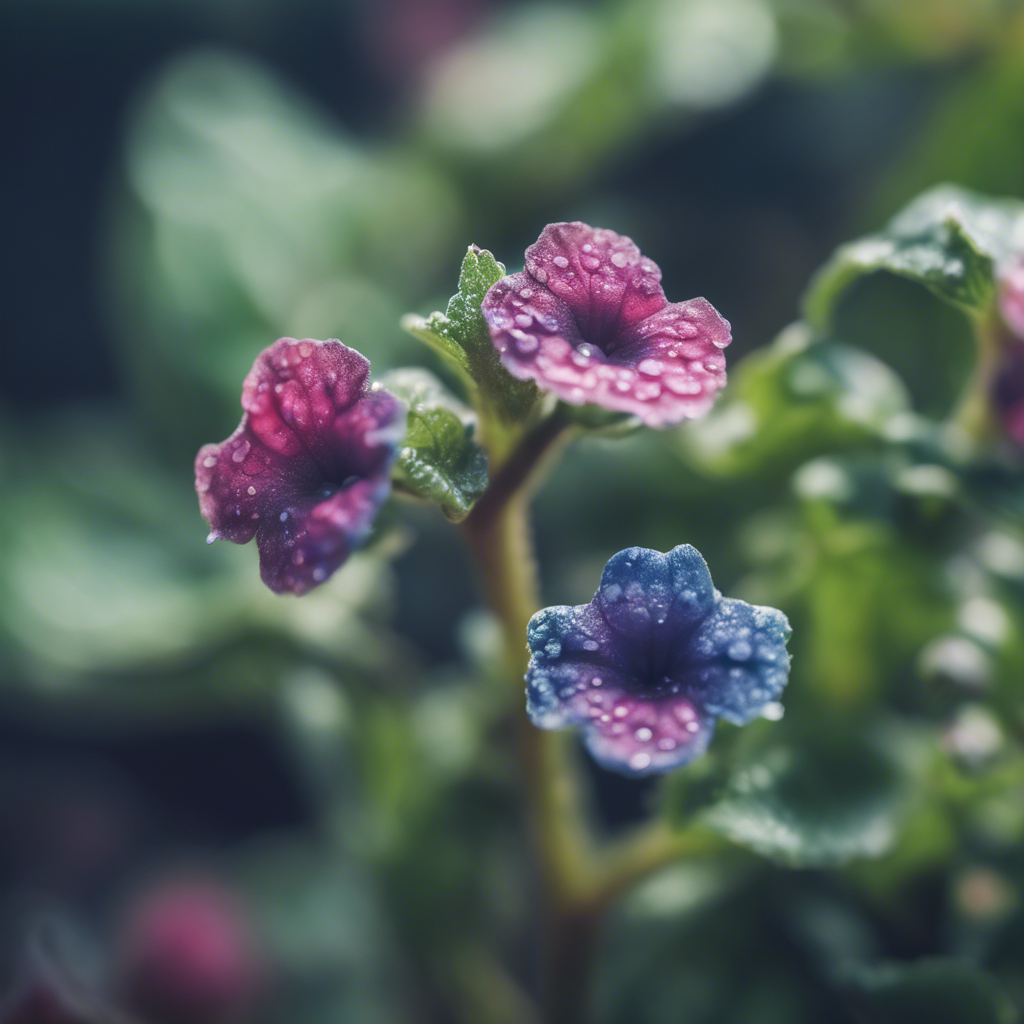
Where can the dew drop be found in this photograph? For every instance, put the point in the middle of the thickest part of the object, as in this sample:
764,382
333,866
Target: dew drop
560,261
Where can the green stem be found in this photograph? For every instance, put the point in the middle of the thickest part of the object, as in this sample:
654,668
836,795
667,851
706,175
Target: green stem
576,883
973,414
499,537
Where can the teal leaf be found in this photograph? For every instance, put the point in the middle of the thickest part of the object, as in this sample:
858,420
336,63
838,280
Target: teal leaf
791,401
461,337
439,460
812,803
940,990
949,239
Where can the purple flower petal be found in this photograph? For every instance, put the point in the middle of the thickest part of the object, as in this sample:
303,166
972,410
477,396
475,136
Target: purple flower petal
308,467
1011,298
1008,391
1008,383
647,667
589,321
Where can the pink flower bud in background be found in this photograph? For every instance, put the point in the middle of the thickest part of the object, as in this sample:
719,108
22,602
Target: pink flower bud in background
188,954
1011,298
1008,383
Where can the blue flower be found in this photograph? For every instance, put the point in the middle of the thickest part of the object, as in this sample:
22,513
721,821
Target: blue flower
657,656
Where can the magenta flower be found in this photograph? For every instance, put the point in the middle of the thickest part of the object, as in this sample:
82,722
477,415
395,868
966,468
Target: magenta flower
657,656
589,321
308,467
1011,298
188,952
1008,384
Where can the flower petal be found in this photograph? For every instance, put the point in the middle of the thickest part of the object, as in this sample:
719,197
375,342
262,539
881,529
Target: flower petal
644,737
1011,298
578,633
737,663
308,466
308,541
601,276
588,321
625,731
1008,391
650,598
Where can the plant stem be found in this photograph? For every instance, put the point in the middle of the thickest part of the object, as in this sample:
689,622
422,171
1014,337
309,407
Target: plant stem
498,535
576,883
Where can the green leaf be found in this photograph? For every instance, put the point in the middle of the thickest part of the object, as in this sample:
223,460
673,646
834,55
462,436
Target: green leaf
939,990
439,460
948,240
791,401
812,803
104,572
461,337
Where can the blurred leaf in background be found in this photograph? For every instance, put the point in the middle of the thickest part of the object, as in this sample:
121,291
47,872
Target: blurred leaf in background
247,216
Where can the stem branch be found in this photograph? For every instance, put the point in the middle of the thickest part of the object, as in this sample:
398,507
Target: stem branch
576,883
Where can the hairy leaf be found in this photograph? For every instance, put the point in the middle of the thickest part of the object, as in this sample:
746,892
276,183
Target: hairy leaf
461,337
811,803
439,460
950,240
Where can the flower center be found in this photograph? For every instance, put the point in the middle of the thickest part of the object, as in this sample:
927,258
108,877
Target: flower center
328,490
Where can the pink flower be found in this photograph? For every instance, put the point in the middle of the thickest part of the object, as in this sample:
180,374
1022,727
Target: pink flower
1008,383
188,953
589,321
308,468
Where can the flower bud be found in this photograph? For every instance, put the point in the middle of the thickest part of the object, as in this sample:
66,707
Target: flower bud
188,954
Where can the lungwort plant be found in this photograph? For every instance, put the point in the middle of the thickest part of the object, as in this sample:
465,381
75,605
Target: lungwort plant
886,529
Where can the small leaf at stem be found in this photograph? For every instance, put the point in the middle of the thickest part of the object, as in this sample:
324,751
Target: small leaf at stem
438,460
460,335
949,239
